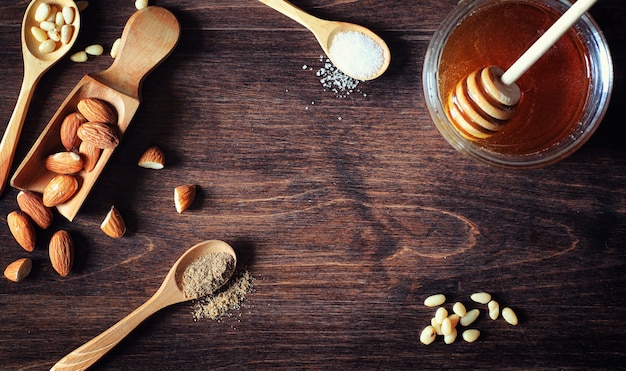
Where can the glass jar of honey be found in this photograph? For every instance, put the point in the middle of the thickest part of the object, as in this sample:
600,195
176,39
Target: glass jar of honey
564,95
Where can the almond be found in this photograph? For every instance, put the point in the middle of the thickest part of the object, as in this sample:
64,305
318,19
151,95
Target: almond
22,229
32,204
97,110
90,154
61,251
69,129
59,189
98,134
18,270
113,224
152,158
184,196
64,163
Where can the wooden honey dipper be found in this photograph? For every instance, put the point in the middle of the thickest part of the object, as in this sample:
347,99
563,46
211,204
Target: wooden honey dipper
482,103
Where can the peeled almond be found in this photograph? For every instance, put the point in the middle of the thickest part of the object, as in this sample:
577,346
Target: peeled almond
18,270
184,196
113,224
152,158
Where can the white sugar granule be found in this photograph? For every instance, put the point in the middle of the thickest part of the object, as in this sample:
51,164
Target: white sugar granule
356,54
336,81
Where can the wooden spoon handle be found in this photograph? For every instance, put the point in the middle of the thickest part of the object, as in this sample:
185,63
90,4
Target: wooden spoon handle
320,28
11,136
90,352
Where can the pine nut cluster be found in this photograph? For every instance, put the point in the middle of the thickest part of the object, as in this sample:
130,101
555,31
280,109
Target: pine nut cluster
445,324
55,26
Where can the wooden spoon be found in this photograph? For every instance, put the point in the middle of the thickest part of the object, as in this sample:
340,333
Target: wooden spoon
149,36
325,31
36,64
171,292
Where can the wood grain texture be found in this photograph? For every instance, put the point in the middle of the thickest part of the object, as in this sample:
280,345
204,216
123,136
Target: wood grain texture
347,211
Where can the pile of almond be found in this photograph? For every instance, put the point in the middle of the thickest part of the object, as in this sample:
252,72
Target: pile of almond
83,134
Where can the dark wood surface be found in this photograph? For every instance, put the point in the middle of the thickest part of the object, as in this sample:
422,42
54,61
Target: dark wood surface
347,211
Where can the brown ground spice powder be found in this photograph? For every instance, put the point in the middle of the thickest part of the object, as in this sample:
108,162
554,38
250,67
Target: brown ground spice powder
228,298
206,274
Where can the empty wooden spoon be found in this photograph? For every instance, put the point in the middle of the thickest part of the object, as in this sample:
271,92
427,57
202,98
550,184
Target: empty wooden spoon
149,36
36,63
171,292
325,32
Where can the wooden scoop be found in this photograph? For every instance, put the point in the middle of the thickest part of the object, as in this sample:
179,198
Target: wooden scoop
148,38
482,103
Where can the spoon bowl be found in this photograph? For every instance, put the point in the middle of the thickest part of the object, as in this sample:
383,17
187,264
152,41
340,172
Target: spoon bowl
171,292
325,31
149,36
36,63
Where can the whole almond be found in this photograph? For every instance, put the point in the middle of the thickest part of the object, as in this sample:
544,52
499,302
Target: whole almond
32,204
90,154
69,129
152,158
184,196
64,162
59,189
97,110
22,229
113,224
98,134
18,270
61,251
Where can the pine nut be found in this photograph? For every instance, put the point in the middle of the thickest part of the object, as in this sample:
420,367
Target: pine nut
115,48
66,34
42,12
441,314
94,49
509,316
471,335
52,14
428,335
79,57
140,4
470,317
47,46
39,34
435,300
481,297
450,338
446,327
47,26
459,309
494,309
58,19
68,15
454,319
54,35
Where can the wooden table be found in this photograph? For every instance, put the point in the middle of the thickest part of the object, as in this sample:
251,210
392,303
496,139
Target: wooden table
348,211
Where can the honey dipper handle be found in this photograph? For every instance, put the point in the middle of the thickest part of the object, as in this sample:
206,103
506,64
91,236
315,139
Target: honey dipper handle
545,42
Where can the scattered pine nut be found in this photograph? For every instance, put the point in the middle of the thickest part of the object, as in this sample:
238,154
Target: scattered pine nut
436,326
481,297
435,300
115,48
140,4
441,314
470,335
469,318
428,335
451,337
454,319
494,309
446,327
459,309
79,57
509,316
94,49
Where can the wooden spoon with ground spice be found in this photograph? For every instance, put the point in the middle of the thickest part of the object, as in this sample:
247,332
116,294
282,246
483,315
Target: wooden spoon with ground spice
200,271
